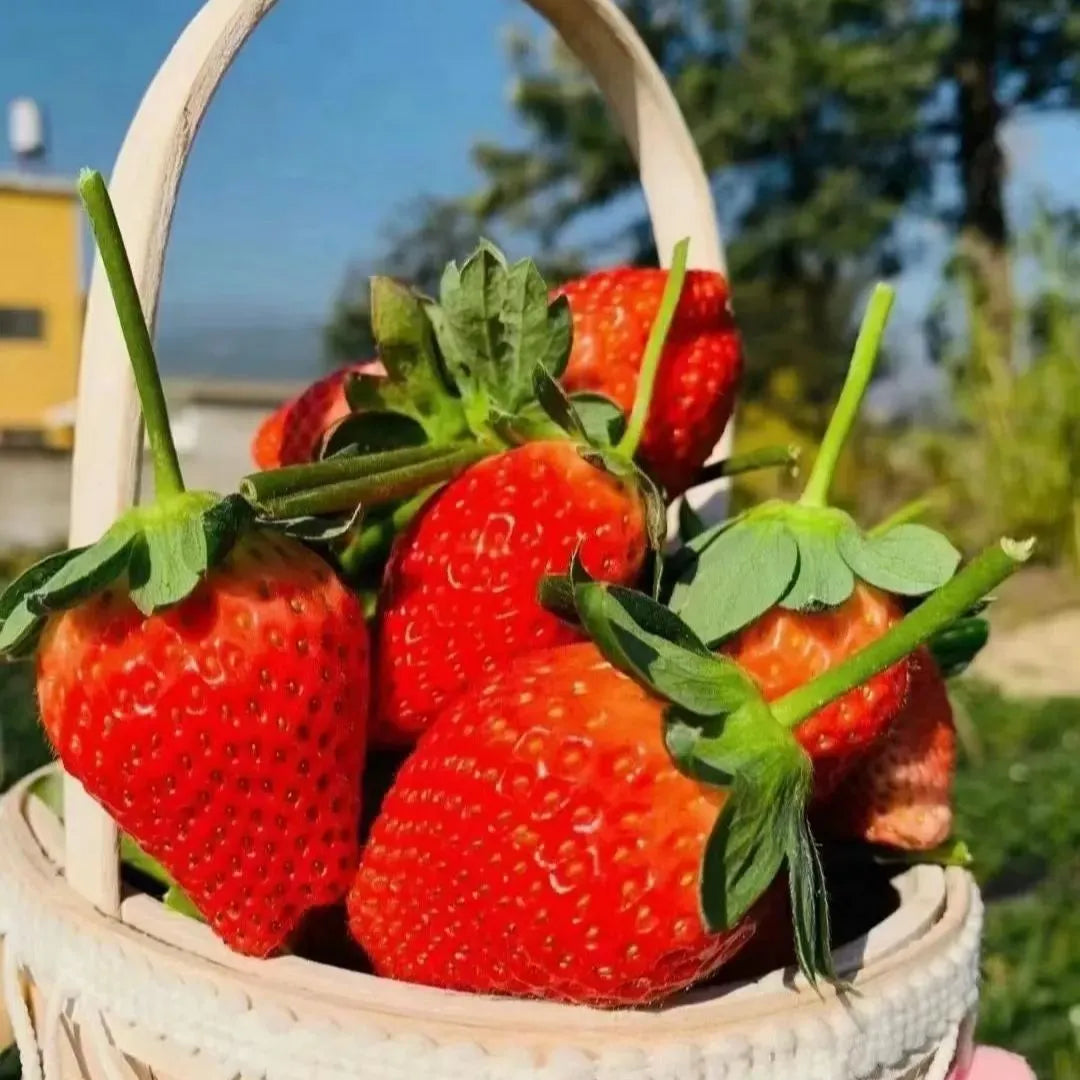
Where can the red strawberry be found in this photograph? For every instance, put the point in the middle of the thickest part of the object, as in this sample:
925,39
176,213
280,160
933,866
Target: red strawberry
785,649
205,679
540,842
291,435
792,589
225,734
699,371
565,830
459,594
901,793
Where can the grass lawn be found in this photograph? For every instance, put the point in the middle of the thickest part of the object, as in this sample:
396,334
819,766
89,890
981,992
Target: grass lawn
1016,799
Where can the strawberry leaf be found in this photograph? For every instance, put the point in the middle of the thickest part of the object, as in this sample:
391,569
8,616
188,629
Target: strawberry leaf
222,525
89,572
315,530
555,402
768,786
691,524
738,577
494,323
604,422
650,643
910,560
957,645
372,432
19,622
416,384
823,578
809,901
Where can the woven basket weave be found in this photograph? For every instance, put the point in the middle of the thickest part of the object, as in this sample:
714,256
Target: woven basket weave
98,986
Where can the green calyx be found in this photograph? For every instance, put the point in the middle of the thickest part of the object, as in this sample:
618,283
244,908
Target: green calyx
807,555
158,553
721,732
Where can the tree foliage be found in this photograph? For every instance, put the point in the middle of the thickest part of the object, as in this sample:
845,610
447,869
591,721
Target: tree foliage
820,122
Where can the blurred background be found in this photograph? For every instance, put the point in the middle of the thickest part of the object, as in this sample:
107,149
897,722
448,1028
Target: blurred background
934,143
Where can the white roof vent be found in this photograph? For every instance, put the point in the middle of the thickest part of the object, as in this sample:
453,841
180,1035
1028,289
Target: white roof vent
26,129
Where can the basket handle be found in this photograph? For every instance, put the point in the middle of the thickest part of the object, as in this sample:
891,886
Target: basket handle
144,185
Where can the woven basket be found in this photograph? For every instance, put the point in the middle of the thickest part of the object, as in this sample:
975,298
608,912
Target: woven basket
98,985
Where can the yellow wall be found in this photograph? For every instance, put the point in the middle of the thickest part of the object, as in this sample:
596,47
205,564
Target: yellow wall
39,268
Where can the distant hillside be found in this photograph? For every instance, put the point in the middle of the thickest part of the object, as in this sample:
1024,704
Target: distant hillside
286,351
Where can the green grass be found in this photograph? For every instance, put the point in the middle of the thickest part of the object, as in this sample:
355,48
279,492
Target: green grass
1016,807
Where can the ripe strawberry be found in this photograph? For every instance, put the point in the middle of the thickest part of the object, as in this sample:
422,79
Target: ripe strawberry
459,593
599,823
790,590
225,734
901,793
785,649
699,371
291,435
540,842
204,679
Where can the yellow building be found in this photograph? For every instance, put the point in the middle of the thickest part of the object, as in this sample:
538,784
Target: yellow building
41,307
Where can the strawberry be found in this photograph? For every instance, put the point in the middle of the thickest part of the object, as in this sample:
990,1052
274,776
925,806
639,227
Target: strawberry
293,433
791,589
205,677
225,734
614,311
784,649
540,842
900,794
601,823
459,594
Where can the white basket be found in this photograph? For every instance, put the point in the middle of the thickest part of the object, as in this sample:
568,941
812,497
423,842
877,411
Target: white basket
111,990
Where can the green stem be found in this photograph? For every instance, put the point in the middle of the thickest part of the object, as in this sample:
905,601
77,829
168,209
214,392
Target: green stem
769,457
276,483
168,479
371,491
904,515
863,361
972,583
654,349
374,541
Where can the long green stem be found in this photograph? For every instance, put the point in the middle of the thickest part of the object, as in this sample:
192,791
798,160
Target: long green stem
654,349
978,578
168,479
904,515
768,457
276,483
863,361
371,491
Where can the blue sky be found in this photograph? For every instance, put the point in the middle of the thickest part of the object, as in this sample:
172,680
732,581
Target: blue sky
334,115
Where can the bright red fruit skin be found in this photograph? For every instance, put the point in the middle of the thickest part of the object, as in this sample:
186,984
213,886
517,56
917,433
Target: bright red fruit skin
613,313
292,434
226,734
540,842
459,591
901,793
782,650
